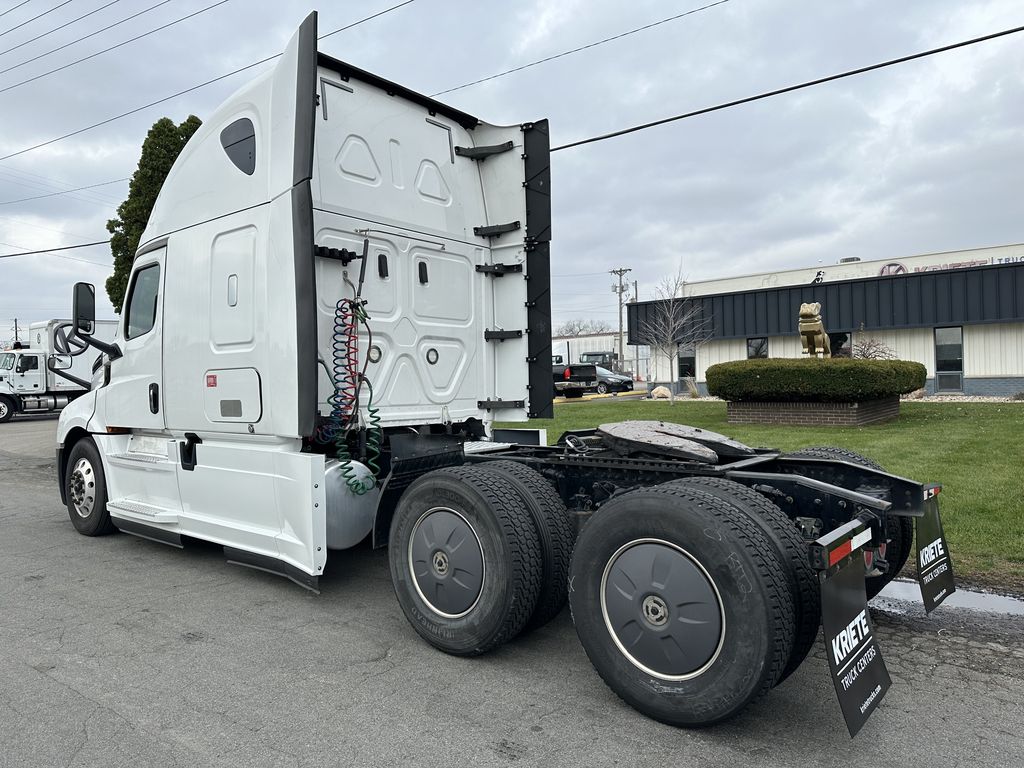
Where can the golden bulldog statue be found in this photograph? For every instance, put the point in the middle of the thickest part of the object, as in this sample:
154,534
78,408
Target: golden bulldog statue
812,331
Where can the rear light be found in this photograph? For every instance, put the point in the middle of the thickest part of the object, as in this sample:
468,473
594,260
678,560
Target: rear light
567,374
869,558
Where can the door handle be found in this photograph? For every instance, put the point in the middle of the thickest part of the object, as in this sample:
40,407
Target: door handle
154,398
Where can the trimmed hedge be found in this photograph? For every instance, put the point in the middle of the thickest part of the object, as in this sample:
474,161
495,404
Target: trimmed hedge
835,380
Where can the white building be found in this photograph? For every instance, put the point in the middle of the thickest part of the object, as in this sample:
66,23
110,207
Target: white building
960,313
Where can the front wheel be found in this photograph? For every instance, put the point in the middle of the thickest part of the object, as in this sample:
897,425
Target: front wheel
602,388
85,486
6,409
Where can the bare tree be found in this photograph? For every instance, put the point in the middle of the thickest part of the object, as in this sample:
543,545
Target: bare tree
673,322
579,327
873,349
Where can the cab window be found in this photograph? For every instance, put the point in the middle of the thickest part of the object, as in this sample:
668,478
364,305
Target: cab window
28,363
142,301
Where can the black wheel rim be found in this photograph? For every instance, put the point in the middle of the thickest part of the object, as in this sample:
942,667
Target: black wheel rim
447,562
662,609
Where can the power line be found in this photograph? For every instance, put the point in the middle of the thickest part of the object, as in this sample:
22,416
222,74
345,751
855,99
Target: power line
26,2
368,18
790,88
56,29
44,13
85,37
189,90
52,250
577,50
111,48
64,192
45,186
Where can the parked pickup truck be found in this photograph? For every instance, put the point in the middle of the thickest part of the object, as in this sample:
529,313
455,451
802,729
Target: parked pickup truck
574,380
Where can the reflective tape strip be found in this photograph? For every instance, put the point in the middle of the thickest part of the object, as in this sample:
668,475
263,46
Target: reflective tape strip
861,538
848,546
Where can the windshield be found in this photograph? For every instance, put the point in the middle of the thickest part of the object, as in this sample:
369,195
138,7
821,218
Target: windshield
6,362
604,372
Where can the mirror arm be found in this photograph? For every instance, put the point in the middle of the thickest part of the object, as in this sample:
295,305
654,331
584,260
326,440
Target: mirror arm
64,375
110,350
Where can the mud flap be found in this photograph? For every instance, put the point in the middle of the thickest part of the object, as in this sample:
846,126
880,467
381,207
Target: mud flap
934,567
855,660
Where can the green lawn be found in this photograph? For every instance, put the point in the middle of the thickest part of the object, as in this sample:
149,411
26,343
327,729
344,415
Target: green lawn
976,450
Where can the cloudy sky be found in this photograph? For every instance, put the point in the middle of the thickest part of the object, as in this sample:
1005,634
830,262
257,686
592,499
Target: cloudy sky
919,158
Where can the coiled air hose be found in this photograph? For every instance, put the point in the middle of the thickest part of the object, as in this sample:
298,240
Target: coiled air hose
349,379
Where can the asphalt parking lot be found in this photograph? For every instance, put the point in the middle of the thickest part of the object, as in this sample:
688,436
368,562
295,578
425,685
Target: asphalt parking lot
118,651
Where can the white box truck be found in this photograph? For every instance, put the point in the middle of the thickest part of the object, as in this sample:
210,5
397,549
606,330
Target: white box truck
342,284
45,376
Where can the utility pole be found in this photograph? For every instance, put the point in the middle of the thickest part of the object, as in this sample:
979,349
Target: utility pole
16,339
620,289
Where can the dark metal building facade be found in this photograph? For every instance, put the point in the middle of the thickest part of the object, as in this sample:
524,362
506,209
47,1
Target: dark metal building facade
952,301
988,294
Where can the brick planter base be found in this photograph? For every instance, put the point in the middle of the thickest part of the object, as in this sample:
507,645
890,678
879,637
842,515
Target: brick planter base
815,414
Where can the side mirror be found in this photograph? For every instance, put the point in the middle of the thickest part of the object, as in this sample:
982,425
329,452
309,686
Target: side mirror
60,362
84,309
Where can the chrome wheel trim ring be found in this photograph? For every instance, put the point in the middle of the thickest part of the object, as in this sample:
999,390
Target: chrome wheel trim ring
645,602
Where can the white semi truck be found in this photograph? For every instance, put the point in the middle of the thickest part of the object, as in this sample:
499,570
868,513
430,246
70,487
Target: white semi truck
42,377
342,284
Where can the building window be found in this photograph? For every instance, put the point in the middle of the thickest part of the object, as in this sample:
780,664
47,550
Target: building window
949,359
841,344
687,366
757,348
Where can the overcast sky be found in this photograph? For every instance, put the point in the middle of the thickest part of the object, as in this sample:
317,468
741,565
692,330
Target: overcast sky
919,158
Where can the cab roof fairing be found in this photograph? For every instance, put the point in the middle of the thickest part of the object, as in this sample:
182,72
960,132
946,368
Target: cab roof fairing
203,184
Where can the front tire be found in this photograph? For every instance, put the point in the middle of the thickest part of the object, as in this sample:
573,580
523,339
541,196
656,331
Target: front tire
7,409
465,560
602,388
681,604
85,486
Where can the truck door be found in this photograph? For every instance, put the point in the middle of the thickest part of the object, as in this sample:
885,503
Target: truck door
29,374
133,397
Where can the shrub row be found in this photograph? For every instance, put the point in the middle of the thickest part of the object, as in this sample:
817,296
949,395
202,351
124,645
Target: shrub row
837,380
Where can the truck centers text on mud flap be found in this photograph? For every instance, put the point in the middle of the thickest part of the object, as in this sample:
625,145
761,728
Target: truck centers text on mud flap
854,658
934,567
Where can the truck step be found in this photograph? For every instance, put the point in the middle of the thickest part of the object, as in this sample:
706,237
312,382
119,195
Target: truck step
140,511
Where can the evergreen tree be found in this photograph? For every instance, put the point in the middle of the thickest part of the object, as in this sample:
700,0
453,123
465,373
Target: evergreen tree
161,148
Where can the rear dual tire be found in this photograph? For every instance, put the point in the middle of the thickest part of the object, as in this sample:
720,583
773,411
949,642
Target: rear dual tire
466,560
681,604
790,549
